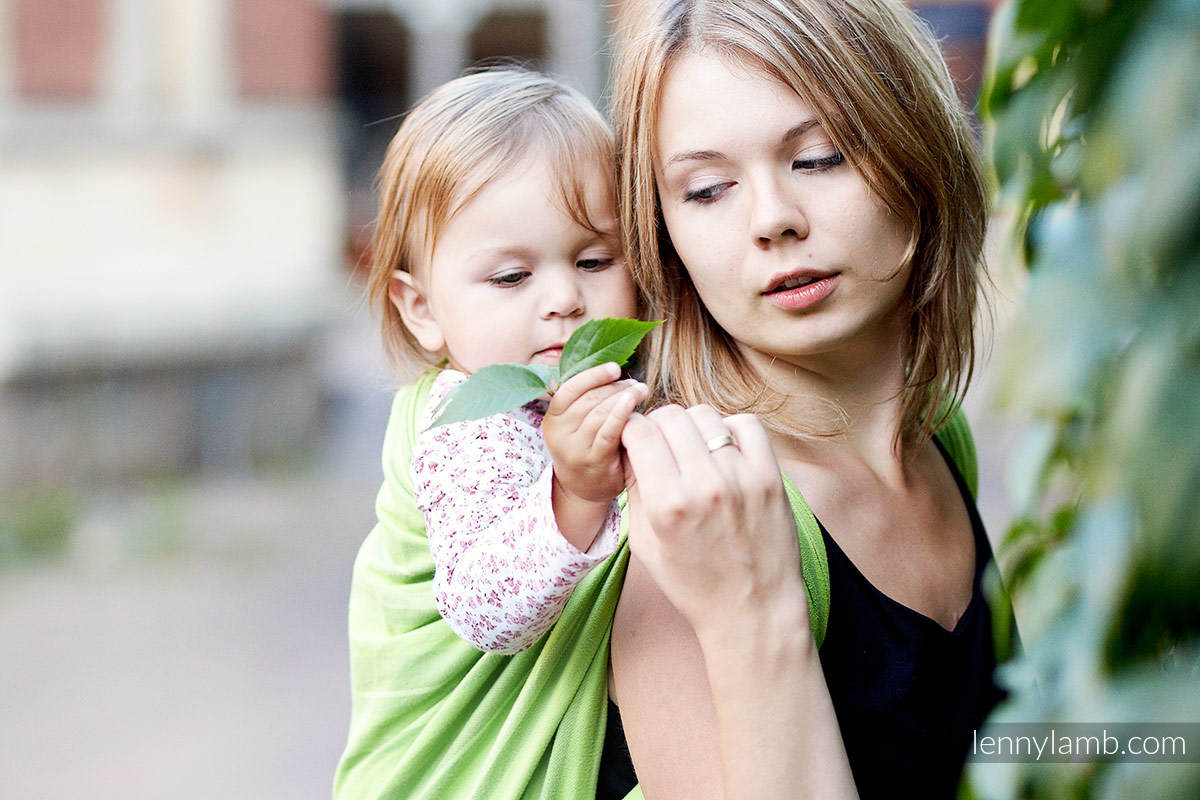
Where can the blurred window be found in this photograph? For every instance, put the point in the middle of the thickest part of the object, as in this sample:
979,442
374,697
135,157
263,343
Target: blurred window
373,51
519,35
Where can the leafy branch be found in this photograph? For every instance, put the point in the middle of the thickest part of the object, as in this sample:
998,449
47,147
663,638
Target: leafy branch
1094,142
503,387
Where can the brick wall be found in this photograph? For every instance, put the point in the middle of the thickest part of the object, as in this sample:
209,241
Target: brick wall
58,46
282,49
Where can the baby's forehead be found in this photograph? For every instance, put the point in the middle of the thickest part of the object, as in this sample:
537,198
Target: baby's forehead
581,185
525,212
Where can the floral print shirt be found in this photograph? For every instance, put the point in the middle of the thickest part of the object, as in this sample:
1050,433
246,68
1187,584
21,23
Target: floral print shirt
502,569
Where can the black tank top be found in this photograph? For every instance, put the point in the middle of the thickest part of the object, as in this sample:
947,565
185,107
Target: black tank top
617,777
907,692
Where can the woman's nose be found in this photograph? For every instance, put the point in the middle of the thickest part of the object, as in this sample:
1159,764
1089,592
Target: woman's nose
564,295
777,214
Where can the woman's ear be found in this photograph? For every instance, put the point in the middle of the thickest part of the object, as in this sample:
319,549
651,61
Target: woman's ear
410,300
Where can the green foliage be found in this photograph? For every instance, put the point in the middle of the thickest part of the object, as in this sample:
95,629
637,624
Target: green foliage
600,341
1093,112
491,390
502,387
35,524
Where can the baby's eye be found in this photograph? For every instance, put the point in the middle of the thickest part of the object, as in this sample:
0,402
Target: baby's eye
819,164
594,264
509,279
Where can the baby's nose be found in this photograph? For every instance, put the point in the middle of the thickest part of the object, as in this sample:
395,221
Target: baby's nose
563,298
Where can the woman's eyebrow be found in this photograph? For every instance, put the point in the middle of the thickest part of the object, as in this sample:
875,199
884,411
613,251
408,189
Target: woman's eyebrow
792,133
695,155
799,130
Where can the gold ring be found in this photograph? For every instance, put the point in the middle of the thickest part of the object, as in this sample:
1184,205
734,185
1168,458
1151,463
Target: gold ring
717,442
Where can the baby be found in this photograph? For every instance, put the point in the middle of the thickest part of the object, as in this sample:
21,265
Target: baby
496,240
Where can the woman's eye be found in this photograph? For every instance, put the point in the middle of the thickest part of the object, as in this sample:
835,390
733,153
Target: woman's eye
594,264
705,194
507,279
818,164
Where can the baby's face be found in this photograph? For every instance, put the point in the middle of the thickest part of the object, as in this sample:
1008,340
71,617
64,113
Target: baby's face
513,275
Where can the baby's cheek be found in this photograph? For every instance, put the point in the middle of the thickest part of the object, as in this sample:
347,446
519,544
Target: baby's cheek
624,295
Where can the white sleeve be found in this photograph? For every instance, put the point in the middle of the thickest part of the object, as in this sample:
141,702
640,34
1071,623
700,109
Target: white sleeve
502,569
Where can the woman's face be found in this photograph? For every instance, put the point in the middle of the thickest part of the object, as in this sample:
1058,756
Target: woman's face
790,251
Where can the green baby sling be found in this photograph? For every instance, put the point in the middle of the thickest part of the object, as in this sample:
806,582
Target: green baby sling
435,719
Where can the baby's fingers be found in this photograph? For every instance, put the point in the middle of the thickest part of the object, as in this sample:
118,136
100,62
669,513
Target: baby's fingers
580,384
604,424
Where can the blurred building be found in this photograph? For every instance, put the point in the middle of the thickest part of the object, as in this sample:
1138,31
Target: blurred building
393,52
170,231
961,27
186,187
180,182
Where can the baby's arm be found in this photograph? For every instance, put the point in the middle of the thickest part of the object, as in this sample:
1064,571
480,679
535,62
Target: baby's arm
582,430
503,570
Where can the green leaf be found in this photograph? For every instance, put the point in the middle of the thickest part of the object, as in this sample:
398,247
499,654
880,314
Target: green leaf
492,390
502,387
600,341
547,373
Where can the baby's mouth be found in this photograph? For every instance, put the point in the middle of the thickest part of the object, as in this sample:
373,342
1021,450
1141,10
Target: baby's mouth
552,353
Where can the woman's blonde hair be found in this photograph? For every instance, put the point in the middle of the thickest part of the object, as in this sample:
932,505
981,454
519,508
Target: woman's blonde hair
873,74
465,134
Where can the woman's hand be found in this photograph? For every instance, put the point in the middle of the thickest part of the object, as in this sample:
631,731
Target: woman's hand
715,669
719,537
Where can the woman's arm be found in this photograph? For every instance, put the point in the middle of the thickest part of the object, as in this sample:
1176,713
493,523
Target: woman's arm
715,670
660,685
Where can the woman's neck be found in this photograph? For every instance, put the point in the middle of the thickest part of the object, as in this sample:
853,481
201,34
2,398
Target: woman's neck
863,381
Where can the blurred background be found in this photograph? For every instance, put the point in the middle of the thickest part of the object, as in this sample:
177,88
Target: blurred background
192,394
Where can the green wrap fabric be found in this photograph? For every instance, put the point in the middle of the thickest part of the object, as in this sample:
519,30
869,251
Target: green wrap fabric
435,719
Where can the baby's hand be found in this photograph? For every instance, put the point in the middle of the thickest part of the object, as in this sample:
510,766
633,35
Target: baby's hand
582,429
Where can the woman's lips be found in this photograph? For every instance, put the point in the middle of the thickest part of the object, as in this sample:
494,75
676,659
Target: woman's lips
803,296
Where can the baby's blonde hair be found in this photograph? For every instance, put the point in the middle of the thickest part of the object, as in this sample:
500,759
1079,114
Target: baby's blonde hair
464,135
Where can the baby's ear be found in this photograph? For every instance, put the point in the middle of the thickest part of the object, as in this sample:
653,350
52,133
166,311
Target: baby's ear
410,300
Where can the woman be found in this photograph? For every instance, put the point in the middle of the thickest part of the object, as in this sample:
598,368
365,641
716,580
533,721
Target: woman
803,205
